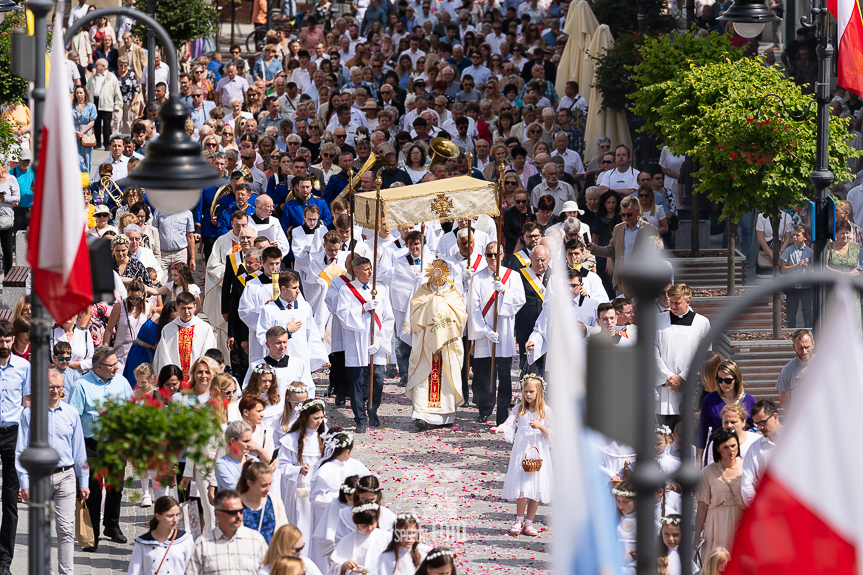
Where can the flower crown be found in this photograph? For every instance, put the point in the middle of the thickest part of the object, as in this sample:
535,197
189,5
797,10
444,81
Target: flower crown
668,520
366,507
439,553
347,489
296,388
262,368
622,493
312,403
407,516
534,376
663,430
339,440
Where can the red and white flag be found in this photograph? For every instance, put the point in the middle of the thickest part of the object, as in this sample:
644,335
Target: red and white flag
807,515
850,34
57,247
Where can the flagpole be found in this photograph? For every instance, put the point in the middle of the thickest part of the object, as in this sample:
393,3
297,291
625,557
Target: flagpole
378,183
497,267
351,190
39,459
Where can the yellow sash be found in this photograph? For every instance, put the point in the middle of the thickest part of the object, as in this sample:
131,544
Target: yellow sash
534,282
330,272
524,261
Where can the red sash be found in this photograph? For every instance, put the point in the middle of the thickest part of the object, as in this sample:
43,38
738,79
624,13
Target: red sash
475,265
345,279
363,301
490,301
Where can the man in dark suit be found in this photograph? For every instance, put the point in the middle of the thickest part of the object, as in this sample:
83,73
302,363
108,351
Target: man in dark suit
237,273
538,59
534,279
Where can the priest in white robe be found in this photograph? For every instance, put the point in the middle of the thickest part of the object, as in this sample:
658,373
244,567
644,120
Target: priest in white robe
307,240
266,225
185,339
438,317
335,333
222,248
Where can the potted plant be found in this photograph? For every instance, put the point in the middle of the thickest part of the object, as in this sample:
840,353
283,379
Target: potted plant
151,432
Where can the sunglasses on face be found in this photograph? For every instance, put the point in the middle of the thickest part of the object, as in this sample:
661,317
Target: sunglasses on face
725,380
102,215
231,512
607,162
63,358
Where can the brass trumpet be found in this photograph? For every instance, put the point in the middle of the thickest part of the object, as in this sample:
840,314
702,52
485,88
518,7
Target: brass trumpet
374,163
220,193
442,150
110,188
316,182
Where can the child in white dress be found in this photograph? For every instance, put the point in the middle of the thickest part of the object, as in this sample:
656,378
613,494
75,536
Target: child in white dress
363,546
327,479
368,491
624,497
295,395
529,428
405,553
299,451
439,561
669,541
262,384
325,530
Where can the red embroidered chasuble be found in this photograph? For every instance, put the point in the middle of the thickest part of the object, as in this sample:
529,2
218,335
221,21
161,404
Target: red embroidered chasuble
184,344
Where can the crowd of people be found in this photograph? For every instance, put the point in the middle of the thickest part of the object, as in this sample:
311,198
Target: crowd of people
293,286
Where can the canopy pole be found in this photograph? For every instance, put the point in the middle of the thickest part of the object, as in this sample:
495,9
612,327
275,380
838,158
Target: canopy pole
378,182
353,217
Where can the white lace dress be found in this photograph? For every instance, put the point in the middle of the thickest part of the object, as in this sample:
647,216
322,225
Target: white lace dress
296,488
536,485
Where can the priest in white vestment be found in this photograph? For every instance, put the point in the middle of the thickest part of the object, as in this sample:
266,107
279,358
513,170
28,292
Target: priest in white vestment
185,339
266,225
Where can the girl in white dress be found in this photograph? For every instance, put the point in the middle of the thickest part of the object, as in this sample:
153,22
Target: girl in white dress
362,547
295,395
327,480
624,497
128,316
439,561
368,491
405,553
299,451
528,427
262,384
669,540
181,280
325,530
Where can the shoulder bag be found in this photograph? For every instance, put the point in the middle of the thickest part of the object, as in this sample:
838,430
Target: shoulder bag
87,140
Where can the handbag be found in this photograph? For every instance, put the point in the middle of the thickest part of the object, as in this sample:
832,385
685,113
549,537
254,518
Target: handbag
673,223
6,221
530,465
87,140
191,518
765,260
83,526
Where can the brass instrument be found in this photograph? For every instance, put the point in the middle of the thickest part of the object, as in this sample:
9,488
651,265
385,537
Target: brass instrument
220,193
442,150
105,186
316,182
374,163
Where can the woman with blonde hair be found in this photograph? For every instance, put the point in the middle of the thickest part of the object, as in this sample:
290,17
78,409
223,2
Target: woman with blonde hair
210,143
328,156
534,135
716,561
254,101
287,544
23,308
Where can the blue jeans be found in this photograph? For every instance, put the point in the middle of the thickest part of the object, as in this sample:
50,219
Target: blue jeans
748,243
358,387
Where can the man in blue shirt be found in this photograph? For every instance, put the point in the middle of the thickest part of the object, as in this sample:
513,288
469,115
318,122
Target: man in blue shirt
66,436
14,397
24,175
99,385
293,215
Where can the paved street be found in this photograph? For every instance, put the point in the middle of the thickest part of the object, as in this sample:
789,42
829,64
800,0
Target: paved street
450,478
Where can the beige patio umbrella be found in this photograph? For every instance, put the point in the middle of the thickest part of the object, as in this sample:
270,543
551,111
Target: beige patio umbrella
608,122
580,27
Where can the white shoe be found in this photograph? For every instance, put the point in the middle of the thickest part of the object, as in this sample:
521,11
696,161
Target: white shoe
146,501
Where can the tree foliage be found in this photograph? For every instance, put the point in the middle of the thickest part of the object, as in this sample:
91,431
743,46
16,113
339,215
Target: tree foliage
184,20
748,161
611,74
12,88
661,58
622,16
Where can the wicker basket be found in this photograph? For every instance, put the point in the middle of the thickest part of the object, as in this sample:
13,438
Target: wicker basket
531,464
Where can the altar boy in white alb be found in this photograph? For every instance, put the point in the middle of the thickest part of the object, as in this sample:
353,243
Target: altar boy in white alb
406,275
304,340
338,376
678,333
359,315
322,267
257,294
510,299
307,240
185,339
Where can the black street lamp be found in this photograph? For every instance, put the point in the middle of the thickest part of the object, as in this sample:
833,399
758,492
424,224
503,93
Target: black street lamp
749,18
7,6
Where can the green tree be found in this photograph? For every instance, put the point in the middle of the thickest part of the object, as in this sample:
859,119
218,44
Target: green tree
622,16
184,20
12,88
748,160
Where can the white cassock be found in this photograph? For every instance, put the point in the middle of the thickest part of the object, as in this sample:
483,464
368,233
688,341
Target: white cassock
448,246
361,548
296,487
304,345
486,225
385,256
357,324
169,352
334,327
482,312
677,341
317,282
326,482
324,536
361,248
585,312
222,248
457,265
271,229
433,234
594,287
405,278
306,243
258,293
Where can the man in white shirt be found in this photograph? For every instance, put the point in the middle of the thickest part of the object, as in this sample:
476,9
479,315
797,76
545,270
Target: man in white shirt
78,12
571,160
414,52
117,159
623,178
162,73
342,119
552,186
496,38
766,419
572,100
